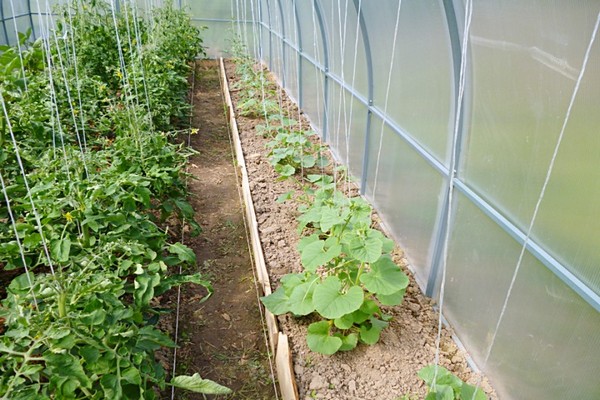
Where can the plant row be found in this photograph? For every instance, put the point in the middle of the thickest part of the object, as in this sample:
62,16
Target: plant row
91,182
348,271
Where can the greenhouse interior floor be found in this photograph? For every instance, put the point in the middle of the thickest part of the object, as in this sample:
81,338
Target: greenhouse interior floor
386,370
221,338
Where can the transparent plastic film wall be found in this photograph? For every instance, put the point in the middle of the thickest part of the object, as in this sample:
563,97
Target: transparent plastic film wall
471,126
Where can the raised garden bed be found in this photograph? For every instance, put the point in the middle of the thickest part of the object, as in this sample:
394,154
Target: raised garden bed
385,370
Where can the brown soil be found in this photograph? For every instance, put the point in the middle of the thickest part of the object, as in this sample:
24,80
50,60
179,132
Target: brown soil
385,371
223,338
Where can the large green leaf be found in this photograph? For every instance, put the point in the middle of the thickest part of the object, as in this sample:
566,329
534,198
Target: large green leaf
314,255
144,288
319,340
331,302
195,383
369,332
277,302
330,216
364,246
349,342
183,252
385,277
468,392
301,300
393,299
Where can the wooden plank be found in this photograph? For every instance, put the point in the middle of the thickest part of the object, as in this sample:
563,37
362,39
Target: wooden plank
285,374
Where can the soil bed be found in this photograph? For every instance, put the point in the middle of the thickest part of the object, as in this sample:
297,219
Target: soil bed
385,371
222,339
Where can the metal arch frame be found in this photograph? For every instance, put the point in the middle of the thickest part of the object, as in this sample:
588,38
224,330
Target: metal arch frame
535,249
33,34
371,92
440,238
4,21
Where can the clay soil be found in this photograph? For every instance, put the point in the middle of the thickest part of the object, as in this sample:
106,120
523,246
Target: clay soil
385,371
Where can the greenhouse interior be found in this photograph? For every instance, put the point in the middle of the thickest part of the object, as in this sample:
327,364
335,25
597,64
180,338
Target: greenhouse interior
299,199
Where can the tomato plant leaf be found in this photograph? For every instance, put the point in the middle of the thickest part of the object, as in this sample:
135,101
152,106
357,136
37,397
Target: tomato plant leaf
195,383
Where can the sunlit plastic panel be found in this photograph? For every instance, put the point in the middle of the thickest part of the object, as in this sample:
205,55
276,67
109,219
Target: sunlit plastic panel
16,7
313,92
535,355
336,16
291,25
291,72
347,121
547,345
523,74
217,44
22,25
212,9
310,29
568,222
408,194
418,82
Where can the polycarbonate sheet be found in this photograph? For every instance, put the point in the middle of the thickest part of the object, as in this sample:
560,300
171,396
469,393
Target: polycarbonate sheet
310,29
212,9
291,73
569,218
23,24
408,194
289,18
346,56
347,122
547,346
313,86
15,8
544,348
420,77
523,75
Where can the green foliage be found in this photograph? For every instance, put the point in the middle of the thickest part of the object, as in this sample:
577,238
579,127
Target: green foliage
89,329
443,385
347,273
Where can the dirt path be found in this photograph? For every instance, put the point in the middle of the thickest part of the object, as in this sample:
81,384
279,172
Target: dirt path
222,339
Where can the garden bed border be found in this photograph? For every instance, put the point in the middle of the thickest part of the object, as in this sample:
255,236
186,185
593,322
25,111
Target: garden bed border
278,341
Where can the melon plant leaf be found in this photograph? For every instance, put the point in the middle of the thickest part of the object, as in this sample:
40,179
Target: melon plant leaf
345,321
349,342
330,217
468,392
385,277
285,170
319,340
195,383
301,299
366,247
277,302
332,303
369,332
314,255
393,299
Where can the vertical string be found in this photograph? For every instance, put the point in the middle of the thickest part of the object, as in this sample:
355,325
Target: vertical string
387,96
21,250
24,175
452,174
12,7
541,195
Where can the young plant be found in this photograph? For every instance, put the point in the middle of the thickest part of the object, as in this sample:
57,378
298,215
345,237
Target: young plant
443,385
348,274
291,150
